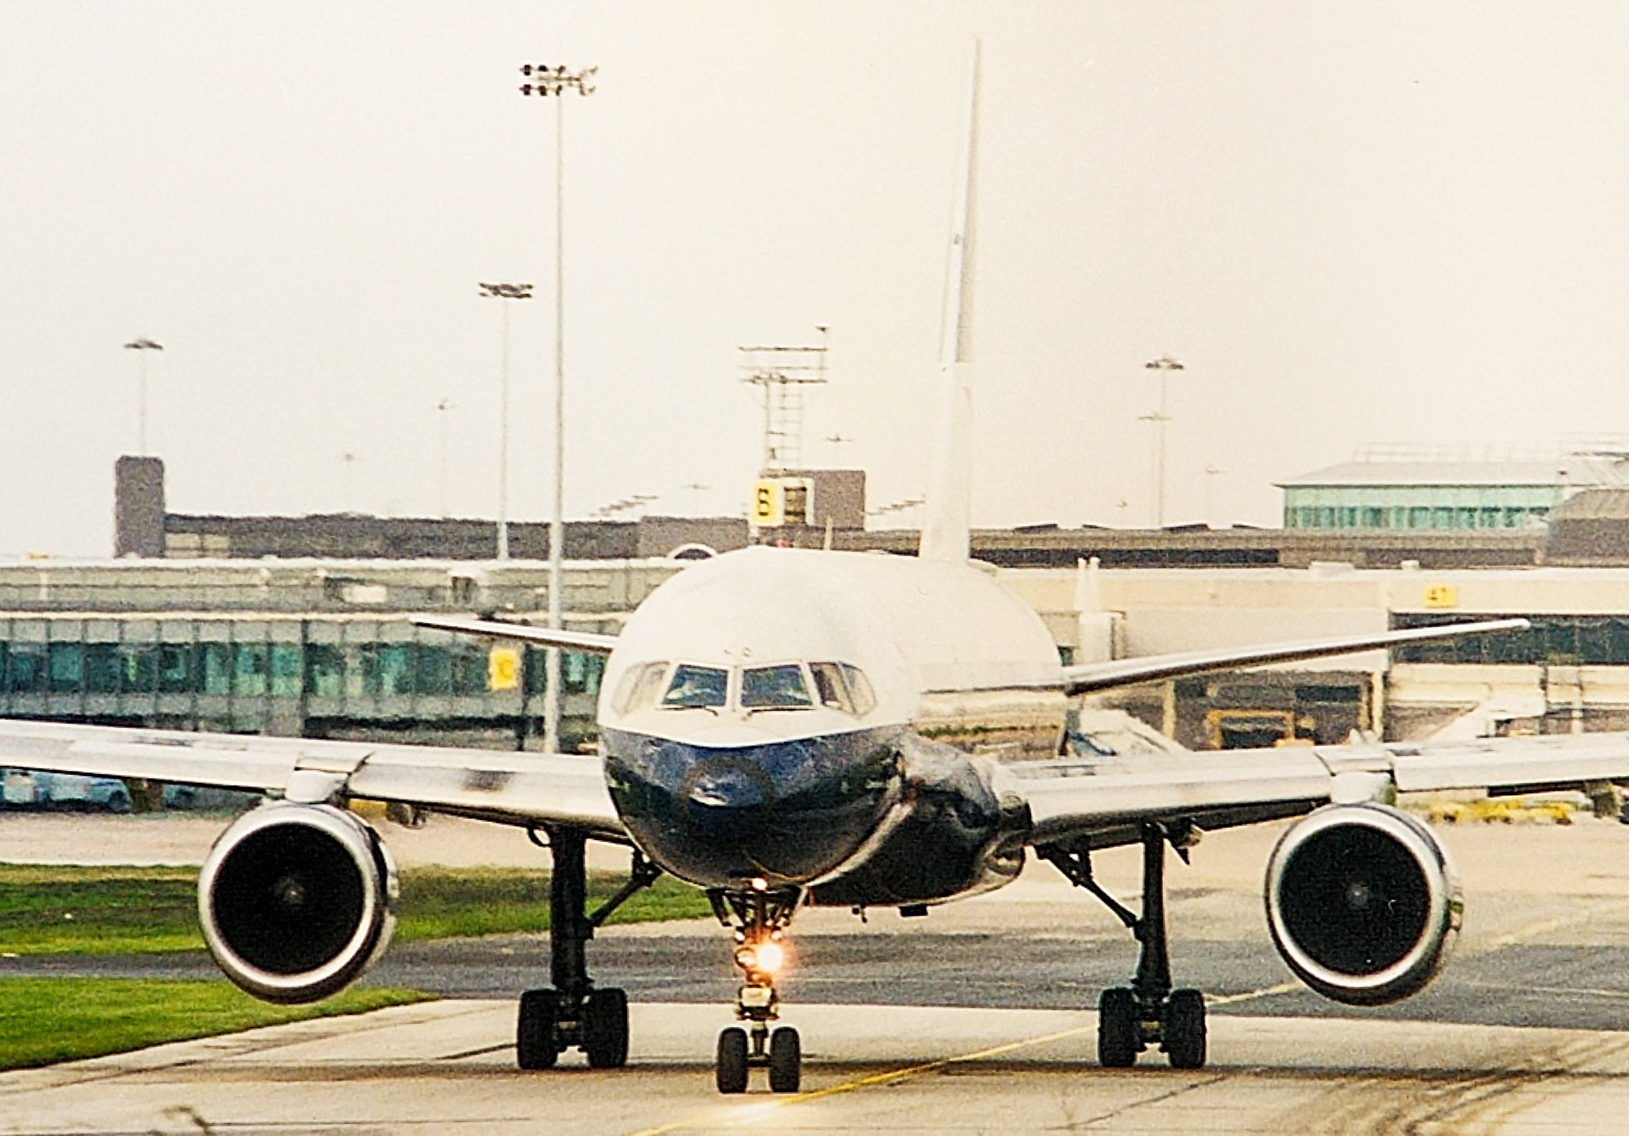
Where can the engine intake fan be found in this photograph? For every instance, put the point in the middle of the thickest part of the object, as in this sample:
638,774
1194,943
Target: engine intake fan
1363,903
297,901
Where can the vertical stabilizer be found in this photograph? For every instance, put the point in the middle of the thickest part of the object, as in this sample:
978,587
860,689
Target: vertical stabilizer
946,529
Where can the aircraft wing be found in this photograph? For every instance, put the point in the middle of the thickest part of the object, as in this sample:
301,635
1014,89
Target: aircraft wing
547,636
1101,797
507,787
1088,677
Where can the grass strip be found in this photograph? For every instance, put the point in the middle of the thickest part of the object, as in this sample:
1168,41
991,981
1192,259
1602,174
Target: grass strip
68,1019
59,909
444,903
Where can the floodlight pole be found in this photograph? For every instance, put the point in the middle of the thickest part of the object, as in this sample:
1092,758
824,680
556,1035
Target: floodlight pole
504,292
443,408
142,346
544,80
1164,365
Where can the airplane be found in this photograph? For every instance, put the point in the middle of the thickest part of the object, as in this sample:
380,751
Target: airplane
785,728
788,727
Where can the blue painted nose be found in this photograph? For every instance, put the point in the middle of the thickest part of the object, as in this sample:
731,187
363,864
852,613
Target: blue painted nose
727,798
789,811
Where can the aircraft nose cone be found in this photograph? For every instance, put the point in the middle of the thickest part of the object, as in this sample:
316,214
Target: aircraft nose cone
727,799
789,810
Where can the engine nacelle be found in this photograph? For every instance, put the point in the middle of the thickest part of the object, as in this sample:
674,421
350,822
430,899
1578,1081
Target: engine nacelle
1363,903
297,901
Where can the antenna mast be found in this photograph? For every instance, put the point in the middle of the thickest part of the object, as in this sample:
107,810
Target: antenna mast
783,372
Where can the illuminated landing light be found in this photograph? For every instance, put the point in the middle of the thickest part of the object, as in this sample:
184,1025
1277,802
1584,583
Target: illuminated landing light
765,958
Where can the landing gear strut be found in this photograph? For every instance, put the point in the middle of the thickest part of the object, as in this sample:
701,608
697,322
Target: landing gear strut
1131,1018
759,917
572,1012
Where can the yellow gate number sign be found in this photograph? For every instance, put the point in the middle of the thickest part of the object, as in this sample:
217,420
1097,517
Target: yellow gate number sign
1441,595
769,504
503,669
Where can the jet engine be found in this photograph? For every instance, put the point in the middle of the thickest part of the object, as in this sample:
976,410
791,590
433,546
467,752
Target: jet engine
1363,903
297,901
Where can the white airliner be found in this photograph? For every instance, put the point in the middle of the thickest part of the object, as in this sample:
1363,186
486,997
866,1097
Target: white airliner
785,728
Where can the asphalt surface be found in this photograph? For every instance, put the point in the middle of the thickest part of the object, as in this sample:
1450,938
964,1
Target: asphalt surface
448,1066
1545,943
970,1021
1560,986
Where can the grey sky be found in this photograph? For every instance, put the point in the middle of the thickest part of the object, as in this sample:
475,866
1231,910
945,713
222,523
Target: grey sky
1352,223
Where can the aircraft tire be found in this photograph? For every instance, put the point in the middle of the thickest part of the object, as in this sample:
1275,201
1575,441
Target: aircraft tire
1185,1029
730,1072
785,1060
1118,1038
535,1046
605,1029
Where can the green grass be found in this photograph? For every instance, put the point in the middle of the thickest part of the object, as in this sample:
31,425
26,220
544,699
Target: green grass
143,910
79,910
67,1019
442,903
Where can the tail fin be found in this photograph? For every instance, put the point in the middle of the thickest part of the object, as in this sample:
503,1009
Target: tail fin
947,528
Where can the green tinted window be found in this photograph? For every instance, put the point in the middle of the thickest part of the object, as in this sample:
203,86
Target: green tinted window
694,686
774,688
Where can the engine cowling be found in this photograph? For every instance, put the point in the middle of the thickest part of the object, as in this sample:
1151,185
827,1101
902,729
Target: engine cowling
1363,903
297,901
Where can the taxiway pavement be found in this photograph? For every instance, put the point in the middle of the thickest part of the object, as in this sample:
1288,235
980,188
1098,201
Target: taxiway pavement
447,1066
957,1023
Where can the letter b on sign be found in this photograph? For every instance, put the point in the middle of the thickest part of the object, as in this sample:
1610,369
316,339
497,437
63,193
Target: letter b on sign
769,504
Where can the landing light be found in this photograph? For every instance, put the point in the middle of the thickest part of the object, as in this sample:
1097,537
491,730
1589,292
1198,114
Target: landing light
765,958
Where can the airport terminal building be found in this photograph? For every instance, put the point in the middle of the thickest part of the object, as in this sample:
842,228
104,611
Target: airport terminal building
300,626
313,648
325,648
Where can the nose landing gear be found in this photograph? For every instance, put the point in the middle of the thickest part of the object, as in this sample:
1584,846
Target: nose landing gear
759,917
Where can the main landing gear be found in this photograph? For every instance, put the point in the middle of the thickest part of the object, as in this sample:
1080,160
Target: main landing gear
759,917
1131,1018
572,1012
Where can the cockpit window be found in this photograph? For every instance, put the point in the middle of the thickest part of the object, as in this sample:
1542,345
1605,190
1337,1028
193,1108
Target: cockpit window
694,686
843,687
774,688
639,686
859,689
784,686
830,688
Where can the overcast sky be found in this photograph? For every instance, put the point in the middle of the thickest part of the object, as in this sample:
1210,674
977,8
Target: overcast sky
1354,224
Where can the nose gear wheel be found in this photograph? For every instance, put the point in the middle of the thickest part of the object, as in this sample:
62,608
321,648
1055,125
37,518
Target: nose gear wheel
759,917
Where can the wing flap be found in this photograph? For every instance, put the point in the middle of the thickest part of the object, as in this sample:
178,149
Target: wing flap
514,788
567,789
1070,798
1510,763
226,761
1076,797
546,636
1086,678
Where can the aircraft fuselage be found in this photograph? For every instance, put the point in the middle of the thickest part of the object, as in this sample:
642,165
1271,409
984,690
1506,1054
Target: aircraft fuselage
831,721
